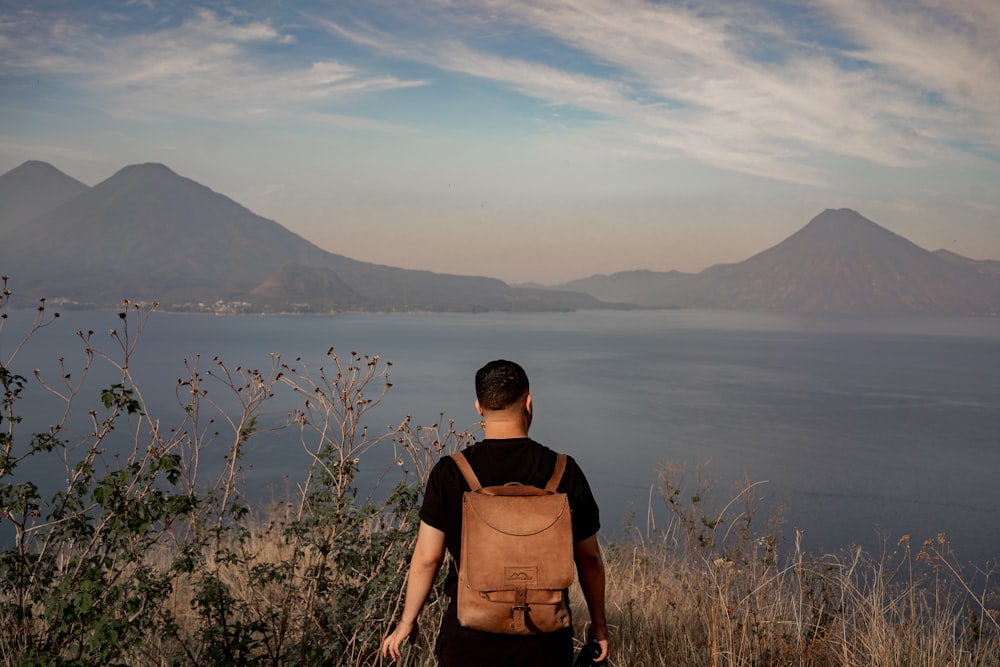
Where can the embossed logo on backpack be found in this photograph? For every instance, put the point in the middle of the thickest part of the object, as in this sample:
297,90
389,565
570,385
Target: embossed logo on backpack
525,576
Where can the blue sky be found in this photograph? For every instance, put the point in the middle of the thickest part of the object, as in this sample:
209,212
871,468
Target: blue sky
535,140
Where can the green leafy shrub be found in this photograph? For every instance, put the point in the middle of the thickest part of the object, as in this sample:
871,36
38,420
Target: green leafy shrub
144,557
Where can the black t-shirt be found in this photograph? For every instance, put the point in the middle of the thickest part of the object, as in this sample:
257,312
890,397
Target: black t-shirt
498,462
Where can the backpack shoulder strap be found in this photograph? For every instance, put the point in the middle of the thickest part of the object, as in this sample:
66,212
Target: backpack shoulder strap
473,481
557,473
463,465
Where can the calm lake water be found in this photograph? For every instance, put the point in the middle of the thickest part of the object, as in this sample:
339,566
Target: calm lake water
864,429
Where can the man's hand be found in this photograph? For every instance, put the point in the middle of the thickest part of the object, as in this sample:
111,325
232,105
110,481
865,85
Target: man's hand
590,570
391,645
600,633
428,554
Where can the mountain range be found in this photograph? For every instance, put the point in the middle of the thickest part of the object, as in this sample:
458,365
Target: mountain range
840,262
147,233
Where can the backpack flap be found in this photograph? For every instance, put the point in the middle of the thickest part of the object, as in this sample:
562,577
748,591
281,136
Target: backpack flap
522,541
517,509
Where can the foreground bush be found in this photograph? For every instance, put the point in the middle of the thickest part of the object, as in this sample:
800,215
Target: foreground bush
140,546
147,551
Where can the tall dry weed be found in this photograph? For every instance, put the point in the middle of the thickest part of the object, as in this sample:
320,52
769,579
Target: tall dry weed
710,589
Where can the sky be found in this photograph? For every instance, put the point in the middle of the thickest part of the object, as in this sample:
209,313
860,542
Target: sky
529,140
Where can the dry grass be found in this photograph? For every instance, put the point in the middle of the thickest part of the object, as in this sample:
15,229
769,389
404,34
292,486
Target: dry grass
683,605
689,595
699,594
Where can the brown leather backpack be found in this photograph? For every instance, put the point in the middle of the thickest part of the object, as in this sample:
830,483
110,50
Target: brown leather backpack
517,555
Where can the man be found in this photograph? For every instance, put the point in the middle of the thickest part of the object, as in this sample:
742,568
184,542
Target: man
506,454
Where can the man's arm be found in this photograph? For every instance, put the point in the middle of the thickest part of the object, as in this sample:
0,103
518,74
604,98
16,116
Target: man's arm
428,554
590,570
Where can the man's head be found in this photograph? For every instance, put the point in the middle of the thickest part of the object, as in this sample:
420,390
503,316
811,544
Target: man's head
500,385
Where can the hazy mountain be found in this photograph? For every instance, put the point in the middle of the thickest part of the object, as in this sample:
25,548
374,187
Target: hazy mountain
640,287
31,189
840,262
373,287
150,234
986,266
299,287
147,233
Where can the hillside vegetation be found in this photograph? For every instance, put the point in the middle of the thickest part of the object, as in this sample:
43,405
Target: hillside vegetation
148,550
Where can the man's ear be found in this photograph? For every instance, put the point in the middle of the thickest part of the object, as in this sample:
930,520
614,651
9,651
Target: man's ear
479,408
527,403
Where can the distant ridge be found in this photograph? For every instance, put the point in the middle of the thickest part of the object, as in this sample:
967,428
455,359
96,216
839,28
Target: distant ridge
640,287
31,189
147,233
296,286
984,266
840,262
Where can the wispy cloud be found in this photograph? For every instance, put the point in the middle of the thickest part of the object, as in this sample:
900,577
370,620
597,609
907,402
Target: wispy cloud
946,52
738,86
47,151
206,67
779,89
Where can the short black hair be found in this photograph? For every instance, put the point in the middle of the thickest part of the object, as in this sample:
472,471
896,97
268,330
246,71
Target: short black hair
499,384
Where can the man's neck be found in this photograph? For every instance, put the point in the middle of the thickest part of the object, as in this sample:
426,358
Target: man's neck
503,429
509,423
